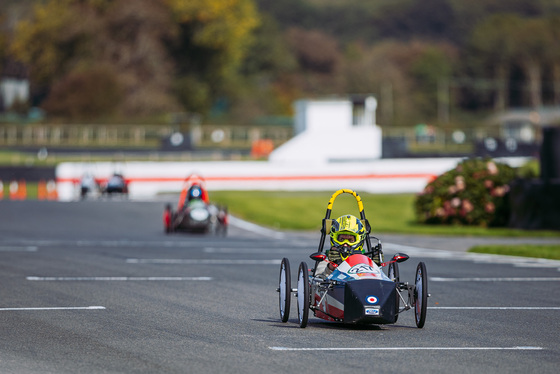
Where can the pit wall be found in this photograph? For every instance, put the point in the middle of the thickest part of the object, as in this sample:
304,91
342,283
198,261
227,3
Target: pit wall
148,179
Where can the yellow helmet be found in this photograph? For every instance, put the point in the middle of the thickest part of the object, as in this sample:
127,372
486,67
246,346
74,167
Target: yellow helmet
348,230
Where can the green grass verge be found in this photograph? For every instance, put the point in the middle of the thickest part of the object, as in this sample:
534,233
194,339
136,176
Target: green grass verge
523,250
392,213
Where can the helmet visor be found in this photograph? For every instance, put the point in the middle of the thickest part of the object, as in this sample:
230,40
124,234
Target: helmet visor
346,237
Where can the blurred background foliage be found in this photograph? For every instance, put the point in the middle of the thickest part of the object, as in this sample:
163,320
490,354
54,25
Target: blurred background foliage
243,60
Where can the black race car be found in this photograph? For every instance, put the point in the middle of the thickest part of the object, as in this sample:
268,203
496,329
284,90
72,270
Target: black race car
357,291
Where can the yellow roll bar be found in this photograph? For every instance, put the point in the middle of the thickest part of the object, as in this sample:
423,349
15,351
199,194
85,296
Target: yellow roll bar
345,190
327,222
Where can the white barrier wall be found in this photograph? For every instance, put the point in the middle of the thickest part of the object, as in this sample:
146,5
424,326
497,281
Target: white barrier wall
147,179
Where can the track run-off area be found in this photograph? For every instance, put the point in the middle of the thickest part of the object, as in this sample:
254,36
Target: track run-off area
98,287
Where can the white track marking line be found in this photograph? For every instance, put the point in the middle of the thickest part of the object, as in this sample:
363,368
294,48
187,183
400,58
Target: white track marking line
173,261
519,348
111,243
18,249
248,226
259,250
481,258
494,307
56,308
506,279
47,279
537,265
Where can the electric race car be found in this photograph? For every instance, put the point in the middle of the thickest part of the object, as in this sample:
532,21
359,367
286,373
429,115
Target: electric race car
194,211
115,185
357,291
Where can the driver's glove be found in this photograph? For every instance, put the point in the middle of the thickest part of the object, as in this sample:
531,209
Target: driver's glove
334,256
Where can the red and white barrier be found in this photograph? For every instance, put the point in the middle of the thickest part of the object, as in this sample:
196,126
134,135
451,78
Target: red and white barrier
147,179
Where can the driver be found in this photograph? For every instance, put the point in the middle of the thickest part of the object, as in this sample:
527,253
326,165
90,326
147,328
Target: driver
347,238
195,193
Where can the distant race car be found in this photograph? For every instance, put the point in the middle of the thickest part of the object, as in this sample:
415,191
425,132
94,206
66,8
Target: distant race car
116,184
357,291
194,211
89,186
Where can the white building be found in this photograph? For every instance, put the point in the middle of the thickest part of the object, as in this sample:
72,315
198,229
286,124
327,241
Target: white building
331,130
12,90
14,85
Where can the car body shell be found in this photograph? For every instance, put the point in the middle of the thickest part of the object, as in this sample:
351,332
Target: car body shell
357,291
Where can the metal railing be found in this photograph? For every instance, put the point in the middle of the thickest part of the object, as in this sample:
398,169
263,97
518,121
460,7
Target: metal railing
227,136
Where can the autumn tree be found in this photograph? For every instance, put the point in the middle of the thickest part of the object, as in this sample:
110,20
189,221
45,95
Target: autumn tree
533,41
491,48
132,38
403,75
319,58
373,69
85,94
161,52
553,23
268,73
214,37
41,41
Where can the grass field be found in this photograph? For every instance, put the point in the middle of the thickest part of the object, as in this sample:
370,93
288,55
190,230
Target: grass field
392,213
386,214
524,250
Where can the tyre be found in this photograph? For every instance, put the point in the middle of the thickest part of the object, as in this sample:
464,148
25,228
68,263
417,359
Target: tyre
167,220
285,289
393,274
420,295
303,294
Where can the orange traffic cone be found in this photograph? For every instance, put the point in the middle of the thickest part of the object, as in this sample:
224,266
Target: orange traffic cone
42,190
52,193
22,191
1,190
14,190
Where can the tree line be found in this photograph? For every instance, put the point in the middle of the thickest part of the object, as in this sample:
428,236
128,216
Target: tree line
244,60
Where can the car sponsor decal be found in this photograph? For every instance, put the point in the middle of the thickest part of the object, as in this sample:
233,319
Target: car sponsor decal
372,311
362,268
371,299
338,275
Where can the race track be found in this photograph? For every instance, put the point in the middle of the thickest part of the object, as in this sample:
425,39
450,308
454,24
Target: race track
97,287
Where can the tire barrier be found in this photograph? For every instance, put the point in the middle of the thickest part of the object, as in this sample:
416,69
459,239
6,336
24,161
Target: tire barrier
536,202
46,190
17,190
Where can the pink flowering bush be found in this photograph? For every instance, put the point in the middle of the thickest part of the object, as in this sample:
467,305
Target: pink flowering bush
474,193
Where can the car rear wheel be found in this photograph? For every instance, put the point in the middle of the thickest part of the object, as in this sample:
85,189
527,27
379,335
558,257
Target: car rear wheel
285,289
303,294
420,295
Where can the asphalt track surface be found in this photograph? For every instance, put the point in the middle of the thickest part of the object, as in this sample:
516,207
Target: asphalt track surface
97,287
